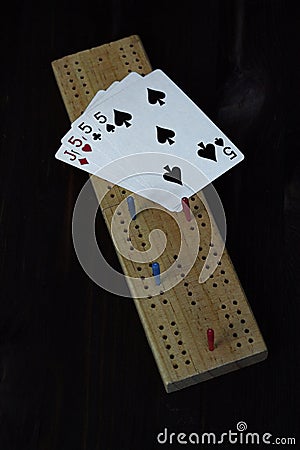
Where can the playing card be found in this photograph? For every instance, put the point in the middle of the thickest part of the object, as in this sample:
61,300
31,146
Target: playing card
86,140
104,94
115,172
152,116
100,94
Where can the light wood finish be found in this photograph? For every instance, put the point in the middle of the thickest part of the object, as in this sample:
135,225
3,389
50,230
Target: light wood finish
175,320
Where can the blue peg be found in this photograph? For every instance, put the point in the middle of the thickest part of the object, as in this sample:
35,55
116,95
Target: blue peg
156,272
131,207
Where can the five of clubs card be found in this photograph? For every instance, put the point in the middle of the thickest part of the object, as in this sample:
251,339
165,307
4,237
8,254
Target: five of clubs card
146,135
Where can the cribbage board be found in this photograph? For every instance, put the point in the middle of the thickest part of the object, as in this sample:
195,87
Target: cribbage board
176,320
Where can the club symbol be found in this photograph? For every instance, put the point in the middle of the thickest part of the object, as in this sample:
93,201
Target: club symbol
97,136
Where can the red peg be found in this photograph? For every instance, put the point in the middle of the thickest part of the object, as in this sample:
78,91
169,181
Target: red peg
186,208
211,339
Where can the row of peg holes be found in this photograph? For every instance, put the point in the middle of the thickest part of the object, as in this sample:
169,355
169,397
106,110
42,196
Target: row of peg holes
122,222
168,346
243,321
66,66
136,59
227,316
186,284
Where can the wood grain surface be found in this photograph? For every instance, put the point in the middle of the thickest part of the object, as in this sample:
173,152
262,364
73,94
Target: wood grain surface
175,318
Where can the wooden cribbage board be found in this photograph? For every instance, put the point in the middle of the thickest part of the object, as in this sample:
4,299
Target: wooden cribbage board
175,321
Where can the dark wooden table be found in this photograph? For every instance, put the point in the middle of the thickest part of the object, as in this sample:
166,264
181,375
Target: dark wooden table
76,371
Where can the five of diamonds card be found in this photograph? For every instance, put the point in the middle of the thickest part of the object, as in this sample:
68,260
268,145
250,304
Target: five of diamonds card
146,135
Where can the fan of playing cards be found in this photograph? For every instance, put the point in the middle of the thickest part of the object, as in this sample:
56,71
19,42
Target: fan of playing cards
146,135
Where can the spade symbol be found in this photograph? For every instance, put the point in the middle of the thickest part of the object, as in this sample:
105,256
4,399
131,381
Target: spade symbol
164,135
219,141
110,128
173,175
155,96
208,152
122,118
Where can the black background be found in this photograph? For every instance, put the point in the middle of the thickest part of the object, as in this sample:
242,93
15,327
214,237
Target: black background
76,370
